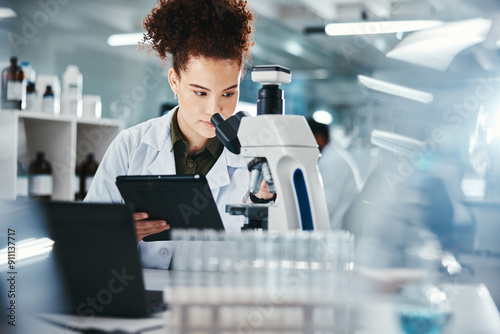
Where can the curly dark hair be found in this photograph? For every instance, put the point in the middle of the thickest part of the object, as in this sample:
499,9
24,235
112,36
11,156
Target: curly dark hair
215,29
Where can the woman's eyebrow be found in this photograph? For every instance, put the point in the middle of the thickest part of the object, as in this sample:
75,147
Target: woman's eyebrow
201,87
233,86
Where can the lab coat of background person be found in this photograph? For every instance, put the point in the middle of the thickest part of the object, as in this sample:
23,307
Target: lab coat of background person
339,172
207,62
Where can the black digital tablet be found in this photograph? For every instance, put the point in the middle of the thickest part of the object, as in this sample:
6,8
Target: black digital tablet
184,201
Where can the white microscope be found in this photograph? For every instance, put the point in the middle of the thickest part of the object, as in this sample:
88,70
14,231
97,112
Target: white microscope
281,150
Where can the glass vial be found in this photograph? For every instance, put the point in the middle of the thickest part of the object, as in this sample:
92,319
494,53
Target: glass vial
48,102
31,98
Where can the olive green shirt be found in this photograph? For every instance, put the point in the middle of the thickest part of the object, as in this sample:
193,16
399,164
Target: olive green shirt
199,162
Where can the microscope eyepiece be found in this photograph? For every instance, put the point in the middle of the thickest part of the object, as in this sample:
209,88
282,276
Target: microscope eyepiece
227,130
217,119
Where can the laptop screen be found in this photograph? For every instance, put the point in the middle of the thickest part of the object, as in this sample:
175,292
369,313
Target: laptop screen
96,248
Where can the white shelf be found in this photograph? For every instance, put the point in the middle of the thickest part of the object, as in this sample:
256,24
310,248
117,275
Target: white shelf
66,141
41,115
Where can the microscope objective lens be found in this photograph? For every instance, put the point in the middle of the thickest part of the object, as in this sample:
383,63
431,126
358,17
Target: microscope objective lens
266,171
255,180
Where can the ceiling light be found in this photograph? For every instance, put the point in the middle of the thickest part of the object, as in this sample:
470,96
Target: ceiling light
323,116
393,89
5,13
125,39
378,27
294,48
321,74
396,143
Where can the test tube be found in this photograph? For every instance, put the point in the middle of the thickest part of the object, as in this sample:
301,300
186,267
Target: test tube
210,249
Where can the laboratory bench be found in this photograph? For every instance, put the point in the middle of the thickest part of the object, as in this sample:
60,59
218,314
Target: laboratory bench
472,308
472,311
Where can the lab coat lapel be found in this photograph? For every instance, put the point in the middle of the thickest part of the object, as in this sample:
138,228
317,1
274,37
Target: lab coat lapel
164,164
218,176
159,138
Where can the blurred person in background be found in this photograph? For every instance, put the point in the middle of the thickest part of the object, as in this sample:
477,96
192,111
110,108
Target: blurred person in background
339,172
398,205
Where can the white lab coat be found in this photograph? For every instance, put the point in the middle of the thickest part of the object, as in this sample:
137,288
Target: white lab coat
146,149
341,181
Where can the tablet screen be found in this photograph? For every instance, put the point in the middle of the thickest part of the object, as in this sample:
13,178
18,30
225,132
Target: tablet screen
184,201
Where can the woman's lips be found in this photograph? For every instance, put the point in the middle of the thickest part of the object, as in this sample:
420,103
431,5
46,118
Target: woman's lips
208,124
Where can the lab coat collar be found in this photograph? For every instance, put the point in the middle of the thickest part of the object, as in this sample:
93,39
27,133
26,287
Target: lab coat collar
159,138
158,134
219,176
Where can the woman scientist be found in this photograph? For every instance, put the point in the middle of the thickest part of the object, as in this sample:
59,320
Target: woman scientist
208,42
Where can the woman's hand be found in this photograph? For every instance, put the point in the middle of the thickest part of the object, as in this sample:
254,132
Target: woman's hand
144,227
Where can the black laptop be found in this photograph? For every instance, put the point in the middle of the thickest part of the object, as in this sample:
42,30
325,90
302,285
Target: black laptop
96,249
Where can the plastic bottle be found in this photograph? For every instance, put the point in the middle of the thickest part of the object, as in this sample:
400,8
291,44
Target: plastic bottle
87,172
92,106
29,72
22,180
71,98
48,105
40,183
13,87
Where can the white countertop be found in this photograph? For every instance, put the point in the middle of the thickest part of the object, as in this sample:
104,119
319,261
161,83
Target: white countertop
473,312
473,309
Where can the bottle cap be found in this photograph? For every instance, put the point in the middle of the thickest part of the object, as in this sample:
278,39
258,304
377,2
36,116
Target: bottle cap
72,69
40,155
13,60
30,88
48,91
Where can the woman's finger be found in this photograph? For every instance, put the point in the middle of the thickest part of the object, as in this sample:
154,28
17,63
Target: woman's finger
150,223
140,215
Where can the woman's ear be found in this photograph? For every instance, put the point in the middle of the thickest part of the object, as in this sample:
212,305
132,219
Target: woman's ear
173,80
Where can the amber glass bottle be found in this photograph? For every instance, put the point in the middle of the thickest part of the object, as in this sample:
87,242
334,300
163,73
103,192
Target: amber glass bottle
48,101
87,171
13,87
40,182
